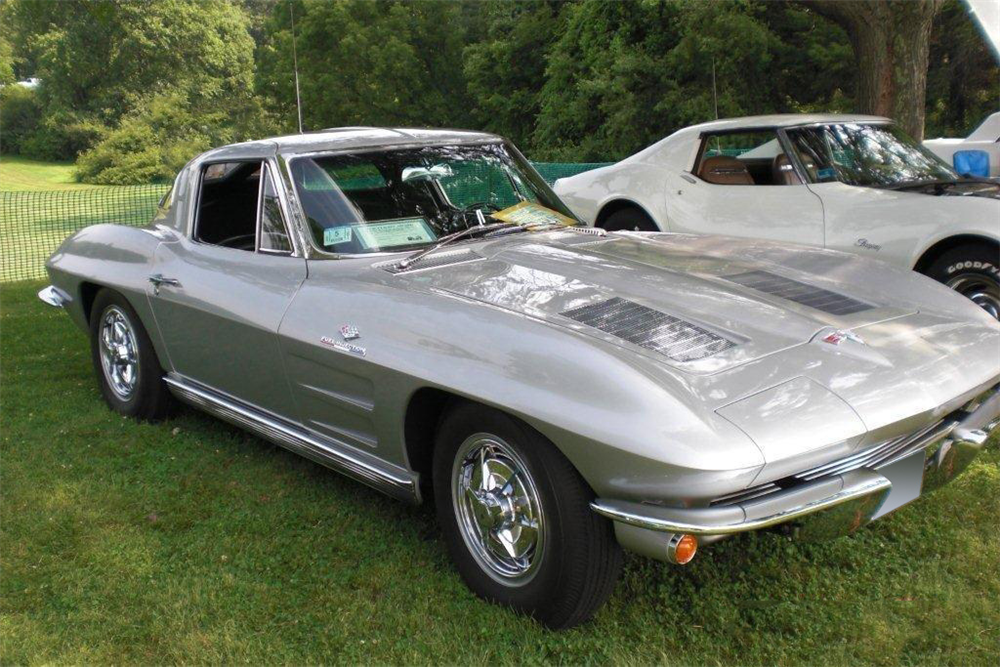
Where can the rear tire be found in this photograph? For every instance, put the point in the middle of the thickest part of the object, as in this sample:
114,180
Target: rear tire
974,272
630,219
128,370
561,570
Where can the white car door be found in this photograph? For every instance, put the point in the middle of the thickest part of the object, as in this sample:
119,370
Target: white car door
742,186
881,224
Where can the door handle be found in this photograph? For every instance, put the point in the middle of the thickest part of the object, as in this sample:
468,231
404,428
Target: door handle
158,280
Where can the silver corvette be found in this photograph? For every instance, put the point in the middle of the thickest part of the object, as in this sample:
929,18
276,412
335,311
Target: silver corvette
418,310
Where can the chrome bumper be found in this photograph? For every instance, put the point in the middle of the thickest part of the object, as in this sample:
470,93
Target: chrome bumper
826,507
54,296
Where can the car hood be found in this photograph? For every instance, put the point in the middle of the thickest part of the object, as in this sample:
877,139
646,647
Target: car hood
803,382
714,284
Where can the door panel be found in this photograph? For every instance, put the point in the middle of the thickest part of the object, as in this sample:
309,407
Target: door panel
876,223
220,321
789,213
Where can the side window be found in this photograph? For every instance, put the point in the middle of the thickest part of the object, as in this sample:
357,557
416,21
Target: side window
273,233
227,205
745,158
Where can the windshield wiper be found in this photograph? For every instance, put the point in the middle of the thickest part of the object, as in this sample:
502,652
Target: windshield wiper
451,238
932,182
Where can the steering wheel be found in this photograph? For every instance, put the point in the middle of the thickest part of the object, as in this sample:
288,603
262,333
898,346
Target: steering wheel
240,242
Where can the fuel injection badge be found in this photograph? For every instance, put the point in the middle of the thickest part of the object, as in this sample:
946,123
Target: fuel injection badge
348,332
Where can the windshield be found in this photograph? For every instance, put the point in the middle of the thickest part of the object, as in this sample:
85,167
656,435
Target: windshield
403,199
872,155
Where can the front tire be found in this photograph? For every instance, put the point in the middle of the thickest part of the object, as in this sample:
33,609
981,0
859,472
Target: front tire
630,219
516,519
128,371
973,271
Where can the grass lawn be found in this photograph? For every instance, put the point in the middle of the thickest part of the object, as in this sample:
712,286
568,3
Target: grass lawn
190,541
19,173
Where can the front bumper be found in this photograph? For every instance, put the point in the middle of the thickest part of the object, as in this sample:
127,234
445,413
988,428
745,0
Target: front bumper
831,505
54,296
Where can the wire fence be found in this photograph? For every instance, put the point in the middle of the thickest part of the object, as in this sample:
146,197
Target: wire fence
33,224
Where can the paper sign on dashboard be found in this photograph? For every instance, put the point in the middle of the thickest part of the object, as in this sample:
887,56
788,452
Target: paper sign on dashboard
393,233
528,213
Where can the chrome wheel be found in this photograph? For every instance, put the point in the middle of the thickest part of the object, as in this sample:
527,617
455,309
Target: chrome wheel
984,292
498,509
119,353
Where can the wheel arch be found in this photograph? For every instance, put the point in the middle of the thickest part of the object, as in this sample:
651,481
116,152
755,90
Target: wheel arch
425,409
611,207
935,250
423,413
88,293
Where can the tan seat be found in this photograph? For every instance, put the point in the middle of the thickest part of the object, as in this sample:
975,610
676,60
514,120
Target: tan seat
724,170
783,173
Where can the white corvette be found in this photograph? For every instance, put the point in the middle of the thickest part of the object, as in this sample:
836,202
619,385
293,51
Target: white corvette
845,182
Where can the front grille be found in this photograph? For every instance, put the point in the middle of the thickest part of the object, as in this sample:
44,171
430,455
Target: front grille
873,457
801,293
435,261
673,337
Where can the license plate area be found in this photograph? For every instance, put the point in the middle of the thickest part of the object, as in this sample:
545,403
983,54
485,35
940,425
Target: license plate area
907,477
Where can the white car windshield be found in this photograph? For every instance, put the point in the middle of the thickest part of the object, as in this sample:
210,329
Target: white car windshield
404,199
869,155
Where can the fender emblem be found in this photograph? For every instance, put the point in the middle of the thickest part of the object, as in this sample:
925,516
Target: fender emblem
839,336
350,332
343,347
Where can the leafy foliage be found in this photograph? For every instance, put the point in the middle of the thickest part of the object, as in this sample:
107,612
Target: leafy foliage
19,110
366,63
962,84
569,80
107,67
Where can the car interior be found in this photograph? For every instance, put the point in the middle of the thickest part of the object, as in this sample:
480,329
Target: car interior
745,159
227,205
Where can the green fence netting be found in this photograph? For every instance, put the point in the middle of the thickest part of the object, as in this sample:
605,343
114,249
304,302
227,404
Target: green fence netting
33,224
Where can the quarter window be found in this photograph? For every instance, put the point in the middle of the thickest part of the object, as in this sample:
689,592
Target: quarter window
273,234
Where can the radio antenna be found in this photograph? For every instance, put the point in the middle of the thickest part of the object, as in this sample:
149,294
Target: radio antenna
715,94
295,65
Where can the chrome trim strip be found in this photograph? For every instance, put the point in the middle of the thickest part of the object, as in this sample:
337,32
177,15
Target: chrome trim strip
54,296
683,520
299,441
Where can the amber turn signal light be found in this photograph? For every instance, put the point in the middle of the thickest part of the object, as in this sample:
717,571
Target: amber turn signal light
682,549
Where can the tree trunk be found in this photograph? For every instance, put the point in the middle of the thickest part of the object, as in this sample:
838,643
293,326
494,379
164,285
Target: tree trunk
891,40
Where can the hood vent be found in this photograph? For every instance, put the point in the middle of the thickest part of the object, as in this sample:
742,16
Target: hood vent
651,329
802,293
435,261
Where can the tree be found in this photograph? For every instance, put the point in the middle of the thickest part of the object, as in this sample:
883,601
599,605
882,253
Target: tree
100,60
366,63
623,75
962,79
891,40
506,69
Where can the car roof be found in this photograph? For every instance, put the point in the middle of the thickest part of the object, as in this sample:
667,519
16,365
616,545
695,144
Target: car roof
786,120
347,138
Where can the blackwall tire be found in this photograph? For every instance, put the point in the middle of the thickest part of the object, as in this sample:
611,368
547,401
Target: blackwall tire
128,371
630,220
564,565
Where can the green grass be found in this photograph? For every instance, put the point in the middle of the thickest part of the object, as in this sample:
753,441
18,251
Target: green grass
20,173
190,541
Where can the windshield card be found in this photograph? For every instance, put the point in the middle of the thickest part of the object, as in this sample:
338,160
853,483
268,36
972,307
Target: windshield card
335,235
528,213
391,233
